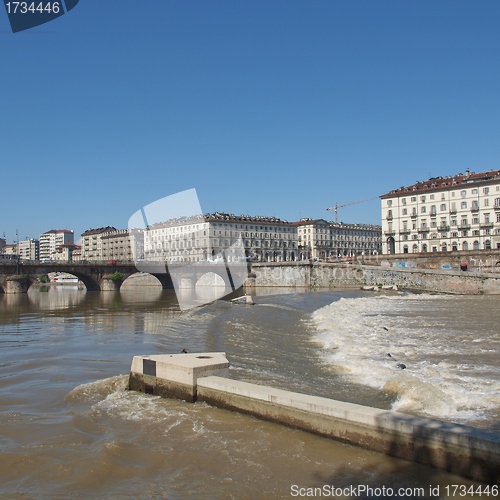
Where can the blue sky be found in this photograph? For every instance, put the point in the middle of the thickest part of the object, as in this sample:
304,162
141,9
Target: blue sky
280,107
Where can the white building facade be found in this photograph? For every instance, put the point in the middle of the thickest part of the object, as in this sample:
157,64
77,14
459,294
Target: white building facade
204,238
349,240
319,239
52,239
443,214
29,249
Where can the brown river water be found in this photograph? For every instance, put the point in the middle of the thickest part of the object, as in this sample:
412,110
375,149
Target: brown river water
70,429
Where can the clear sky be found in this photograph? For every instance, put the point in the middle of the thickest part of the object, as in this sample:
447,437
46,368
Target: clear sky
281,107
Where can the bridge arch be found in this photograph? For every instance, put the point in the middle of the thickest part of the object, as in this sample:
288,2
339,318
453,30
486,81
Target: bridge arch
90,283
212,278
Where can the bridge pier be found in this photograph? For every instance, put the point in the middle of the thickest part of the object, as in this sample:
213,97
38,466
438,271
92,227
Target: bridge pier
17,284
108,284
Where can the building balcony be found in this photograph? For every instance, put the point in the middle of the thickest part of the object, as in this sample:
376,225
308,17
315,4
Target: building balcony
404,231
453,210
413,216
444,227
390,233
486,224
424,229
389,217
474,208
464,227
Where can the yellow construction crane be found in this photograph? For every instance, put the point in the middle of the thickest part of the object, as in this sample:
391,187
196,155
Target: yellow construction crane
337,206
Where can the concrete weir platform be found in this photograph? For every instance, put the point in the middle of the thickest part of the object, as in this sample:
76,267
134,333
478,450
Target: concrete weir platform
175,375
463,450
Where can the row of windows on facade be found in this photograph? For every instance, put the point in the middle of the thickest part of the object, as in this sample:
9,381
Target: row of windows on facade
453,234
454,246
464,221
182,229
463,194
463,206
264,228
215,243
342,232
340,238
193,235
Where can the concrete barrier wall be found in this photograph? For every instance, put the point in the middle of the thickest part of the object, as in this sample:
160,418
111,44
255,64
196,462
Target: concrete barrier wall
459,449
330,276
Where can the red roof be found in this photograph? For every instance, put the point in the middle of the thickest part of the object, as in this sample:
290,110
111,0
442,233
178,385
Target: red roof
451,182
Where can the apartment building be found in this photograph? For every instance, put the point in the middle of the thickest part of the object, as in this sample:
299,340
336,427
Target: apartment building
355,239
314,238
10,249
203,238
92,247
122,245
64,253
52,239
319,239
29,249
442,214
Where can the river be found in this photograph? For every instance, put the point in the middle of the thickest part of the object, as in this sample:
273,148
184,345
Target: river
70,429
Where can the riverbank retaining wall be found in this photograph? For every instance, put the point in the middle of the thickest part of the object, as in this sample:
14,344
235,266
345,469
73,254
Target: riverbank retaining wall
331,275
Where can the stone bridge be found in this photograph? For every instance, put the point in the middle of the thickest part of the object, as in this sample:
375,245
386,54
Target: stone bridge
18,277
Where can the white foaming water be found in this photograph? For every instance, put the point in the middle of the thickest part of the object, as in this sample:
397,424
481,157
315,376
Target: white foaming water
450,356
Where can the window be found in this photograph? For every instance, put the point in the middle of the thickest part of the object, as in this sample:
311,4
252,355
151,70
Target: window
422,198
486,202
463,204
405,211
474,191
463,193
443,206
486,190
389,203
423,209
413,198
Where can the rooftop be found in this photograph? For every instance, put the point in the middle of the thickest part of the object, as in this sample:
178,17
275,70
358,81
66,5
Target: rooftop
451,182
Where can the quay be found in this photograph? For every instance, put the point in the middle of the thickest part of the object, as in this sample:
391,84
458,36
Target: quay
203,377
471,272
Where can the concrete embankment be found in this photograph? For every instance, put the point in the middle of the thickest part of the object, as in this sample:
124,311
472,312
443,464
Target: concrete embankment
330,276
463,450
